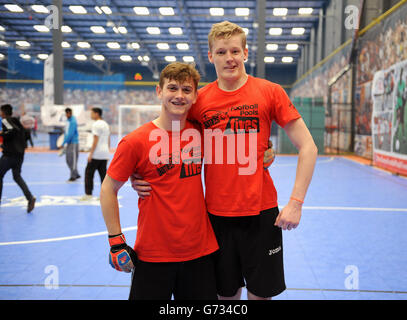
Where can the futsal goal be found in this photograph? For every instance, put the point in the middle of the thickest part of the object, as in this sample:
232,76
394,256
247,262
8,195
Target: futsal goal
131,117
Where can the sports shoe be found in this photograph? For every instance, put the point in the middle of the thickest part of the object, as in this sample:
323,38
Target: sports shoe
70,180
31,204
86,197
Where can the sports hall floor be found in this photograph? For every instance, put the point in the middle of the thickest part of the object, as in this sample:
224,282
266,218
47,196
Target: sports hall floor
351,243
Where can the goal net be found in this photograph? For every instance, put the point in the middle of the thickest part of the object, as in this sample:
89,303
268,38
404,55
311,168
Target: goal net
131,117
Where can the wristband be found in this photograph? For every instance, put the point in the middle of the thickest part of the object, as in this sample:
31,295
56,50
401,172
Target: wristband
295,199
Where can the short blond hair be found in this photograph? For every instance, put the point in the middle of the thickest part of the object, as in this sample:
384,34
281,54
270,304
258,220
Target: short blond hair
225,30
180,72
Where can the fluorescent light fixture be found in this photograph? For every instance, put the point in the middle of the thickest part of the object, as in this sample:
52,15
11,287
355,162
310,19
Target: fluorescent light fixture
175,30
106,9
182,46
153,30
2,56
188,59
80,57
297,31
83,44
65,44
13,8
170,58
122,30
246,31
97,29
98,10
41,28
269,59
125,58
305,11
39,8
242,11
140,58
25,56
2,29
280,11
166,11
78,9
292,47
42,56
3,43
113,45
275,31
163,46
287,59
23,43
141,11
216,11
272,46
98,57
66,29
146,58
134,45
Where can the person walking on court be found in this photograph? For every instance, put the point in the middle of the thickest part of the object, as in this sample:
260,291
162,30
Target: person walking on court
14,144
243,209
175,241
99,153
71,139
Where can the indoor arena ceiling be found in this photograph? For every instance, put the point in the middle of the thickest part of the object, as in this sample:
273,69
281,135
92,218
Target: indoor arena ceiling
151,32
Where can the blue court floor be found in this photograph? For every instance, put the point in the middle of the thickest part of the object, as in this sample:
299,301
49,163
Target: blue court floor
351,242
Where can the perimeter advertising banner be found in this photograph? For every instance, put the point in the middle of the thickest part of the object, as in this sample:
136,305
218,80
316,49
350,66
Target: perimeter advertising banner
389,118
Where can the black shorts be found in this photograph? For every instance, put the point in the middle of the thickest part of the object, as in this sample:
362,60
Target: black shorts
189,280
251,254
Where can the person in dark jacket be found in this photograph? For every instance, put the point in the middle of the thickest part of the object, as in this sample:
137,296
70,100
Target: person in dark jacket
14,144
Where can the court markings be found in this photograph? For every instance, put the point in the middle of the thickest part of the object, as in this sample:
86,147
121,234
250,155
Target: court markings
95,234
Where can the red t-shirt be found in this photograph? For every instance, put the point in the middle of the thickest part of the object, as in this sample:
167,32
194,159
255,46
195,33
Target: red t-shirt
252,107
173,224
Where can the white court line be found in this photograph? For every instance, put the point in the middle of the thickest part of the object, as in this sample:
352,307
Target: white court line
87,235
356,209
295,164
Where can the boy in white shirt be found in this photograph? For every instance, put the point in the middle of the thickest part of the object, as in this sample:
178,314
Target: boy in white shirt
99,153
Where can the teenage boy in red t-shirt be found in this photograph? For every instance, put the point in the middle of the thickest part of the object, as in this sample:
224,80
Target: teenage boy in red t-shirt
243,208
175,240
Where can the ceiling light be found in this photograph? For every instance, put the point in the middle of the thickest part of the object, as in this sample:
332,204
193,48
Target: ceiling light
41,28
182,46
175,30
83,44
153,30
305,11
291,46
2,56
272,47
80,57
166,11
78,9
98,10
98,57
280,11
2,29
269,59
3,43
65,44
122,30
188,58
66,29
13,8
125,58
146,58
297,31
246,31
42,56
39,8
106,9
170,58
287,59
140,58
97,29
142,11
25,56
163,46
242,11
113,45
135,45
23,43
216,11
275,31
